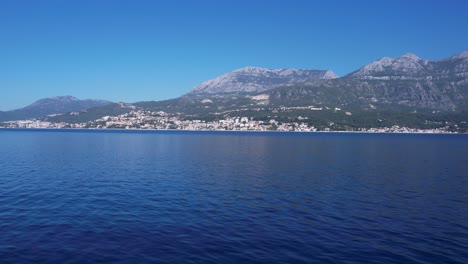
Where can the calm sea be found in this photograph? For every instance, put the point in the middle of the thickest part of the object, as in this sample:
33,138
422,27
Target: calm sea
220,197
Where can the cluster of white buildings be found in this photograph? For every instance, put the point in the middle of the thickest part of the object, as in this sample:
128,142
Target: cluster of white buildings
32,124
161,120
398,129
139,119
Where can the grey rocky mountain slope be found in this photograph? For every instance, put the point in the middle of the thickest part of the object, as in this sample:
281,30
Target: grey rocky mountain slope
254,79
404,82
53,105
411,67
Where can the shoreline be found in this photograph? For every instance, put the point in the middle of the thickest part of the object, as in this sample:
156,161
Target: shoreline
235,131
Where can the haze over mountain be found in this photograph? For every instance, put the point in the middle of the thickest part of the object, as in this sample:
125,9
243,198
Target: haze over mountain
255,79
49,106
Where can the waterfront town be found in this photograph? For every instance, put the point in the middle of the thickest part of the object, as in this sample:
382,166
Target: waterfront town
148,120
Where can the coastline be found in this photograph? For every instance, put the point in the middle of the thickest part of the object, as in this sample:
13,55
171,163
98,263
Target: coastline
231,131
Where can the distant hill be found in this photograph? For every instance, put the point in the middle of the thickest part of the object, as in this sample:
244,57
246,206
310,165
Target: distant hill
49,106
91,114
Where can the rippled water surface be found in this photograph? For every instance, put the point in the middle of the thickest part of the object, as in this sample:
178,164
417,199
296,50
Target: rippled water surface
207,197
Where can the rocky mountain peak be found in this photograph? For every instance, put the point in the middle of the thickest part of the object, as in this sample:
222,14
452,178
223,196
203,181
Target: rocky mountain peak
64,98
404,67
411,67
329,75
250,69
254,79
410,56
462,55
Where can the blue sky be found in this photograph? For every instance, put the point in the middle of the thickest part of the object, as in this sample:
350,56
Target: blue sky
138,50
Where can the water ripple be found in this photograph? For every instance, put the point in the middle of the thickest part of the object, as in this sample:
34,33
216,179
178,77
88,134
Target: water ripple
119,197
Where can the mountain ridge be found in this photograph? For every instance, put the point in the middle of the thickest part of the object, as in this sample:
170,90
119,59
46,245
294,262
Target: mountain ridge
51,105
255,79
410,66
407,83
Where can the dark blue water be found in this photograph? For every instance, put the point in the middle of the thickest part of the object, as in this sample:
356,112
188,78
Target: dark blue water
187,197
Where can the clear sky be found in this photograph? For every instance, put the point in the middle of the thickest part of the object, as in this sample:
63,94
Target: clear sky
138,50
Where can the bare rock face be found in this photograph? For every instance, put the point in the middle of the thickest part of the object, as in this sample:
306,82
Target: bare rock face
411,67
398,83
406,81
254,79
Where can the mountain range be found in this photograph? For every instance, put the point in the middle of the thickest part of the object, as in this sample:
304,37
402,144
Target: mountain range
406,84
391,83
255,79
51,106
